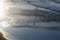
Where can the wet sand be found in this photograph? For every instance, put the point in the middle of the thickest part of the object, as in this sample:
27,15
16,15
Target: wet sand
2,37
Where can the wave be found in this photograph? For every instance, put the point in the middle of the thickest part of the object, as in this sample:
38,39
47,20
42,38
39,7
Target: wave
47,4
29,11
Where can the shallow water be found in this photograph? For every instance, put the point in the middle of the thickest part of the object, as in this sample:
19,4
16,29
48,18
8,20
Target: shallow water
33,33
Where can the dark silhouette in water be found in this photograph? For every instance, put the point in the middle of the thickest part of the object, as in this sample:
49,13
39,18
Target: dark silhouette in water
1,36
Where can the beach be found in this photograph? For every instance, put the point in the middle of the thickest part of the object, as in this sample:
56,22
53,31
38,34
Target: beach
2,37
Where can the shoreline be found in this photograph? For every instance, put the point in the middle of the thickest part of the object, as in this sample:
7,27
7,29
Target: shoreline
2,37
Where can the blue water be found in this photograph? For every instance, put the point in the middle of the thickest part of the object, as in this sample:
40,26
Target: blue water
33,33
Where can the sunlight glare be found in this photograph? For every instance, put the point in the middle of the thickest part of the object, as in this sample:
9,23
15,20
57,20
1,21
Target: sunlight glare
2,8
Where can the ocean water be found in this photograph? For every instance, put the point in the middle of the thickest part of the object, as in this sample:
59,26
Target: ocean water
32,33
30,13
30,19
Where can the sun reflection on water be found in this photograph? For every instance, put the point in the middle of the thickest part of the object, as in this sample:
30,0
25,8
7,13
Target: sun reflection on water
4,21
3,12
2,8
